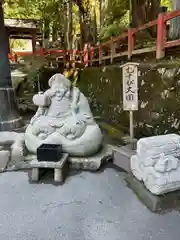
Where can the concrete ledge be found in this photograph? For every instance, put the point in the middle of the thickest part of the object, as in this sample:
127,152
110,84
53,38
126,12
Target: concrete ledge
92,163
158,204
122,156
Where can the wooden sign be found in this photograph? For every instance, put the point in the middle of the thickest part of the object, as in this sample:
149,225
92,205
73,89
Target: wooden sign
130,86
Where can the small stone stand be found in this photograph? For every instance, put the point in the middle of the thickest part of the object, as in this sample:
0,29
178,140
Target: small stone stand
122,157
59,168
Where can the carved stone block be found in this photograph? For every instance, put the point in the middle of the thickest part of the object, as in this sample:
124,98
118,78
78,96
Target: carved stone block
156,163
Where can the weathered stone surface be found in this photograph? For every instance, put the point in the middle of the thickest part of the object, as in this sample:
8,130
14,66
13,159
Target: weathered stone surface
60,168
159,204
4,159
16,145
67,120
94,162
18,151
36,164
159,96
41,101
91,163
122,157
157,163
8,138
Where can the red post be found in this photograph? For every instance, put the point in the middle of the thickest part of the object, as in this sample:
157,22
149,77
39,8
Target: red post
100,54
41,51
161,36
91,55
74,55
86,55
130,42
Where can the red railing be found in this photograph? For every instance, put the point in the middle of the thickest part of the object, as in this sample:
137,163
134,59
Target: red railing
115,46
162,42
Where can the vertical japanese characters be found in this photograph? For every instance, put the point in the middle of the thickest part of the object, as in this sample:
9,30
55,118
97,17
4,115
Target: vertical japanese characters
130,86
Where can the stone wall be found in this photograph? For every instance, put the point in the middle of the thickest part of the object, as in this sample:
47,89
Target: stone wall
159,96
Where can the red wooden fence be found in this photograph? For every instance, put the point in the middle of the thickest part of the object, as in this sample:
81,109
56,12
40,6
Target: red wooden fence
89,55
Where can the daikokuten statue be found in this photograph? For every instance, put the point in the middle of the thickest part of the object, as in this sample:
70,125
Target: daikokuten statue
63,117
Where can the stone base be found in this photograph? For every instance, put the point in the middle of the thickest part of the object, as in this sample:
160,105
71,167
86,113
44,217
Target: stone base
60,169
122,157
12,150
9,116
94,162
158,204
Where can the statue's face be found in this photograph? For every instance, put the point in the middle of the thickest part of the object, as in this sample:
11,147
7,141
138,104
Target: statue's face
58,84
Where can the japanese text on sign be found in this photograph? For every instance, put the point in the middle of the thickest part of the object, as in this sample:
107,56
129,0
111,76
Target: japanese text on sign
130,86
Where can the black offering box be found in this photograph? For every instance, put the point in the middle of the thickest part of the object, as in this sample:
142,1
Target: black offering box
49,153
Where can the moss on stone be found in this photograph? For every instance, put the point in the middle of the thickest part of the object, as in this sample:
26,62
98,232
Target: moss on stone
159,96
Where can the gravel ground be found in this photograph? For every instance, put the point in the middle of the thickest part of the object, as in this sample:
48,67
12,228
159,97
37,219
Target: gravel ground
89,206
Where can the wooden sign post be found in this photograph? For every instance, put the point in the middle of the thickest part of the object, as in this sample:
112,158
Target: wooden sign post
130,92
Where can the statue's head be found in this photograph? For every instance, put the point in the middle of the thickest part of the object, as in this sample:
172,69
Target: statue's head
59,81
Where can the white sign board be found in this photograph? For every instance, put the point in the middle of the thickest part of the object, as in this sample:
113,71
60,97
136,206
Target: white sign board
130,86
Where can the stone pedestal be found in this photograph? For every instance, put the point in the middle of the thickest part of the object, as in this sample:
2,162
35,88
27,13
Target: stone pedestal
158,204
122,157
9,116
60,168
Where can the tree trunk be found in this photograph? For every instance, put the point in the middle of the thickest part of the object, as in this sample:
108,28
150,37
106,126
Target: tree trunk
68,24
144,11
138,13
94,27
46,32
54,32
84,27
82,40
175,23
103,6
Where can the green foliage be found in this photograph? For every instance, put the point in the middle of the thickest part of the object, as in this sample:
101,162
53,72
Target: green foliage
116,19
14,43
167,3
112,30
116,10
54,19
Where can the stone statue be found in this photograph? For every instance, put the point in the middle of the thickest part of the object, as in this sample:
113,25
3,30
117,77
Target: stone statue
157,163
63,117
